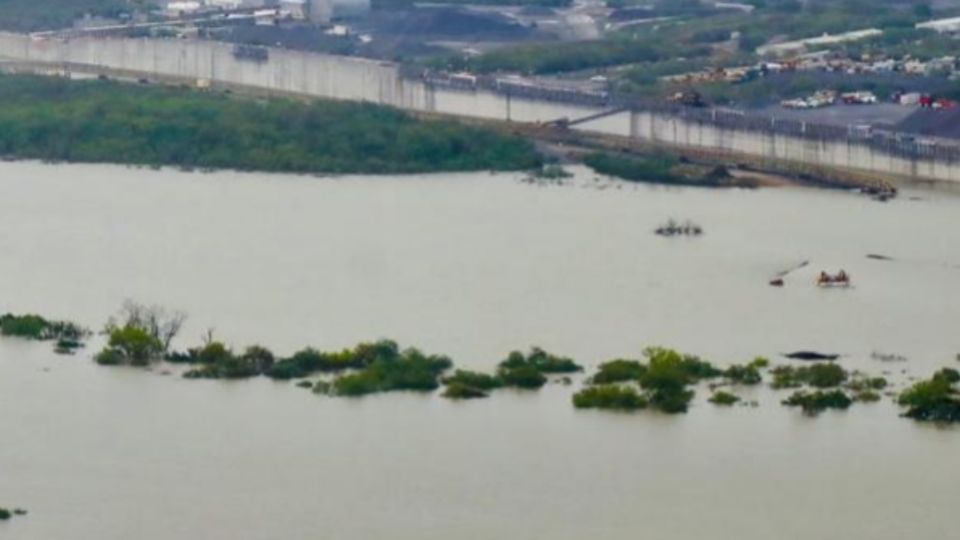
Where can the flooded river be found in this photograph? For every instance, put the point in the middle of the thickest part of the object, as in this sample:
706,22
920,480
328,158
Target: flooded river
470,265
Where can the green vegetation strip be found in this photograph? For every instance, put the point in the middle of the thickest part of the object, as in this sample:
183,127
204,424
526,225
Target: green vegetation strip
664,380
57,119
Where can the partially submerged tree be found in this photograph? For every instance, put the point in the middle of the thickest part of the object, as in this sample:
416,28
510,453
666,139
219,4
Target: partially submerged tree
144,335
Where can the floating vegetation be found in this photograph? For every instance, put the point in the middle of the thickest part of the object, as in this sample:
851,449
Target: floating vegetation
673,228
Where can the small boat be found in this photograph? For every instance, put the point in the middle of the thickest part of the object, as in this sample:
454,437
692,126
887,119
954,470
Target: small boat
776,282
840,279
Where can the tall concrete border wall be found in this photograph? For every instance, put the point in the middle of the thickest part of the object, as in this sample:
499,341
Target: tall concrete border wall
356,79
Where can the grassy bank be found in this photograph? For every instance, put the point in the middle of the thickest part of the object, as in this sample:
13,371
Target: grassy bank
101,121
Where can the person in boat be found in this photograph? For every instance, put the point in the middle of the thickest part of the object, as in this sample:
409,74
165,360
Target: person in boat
842,276
824,277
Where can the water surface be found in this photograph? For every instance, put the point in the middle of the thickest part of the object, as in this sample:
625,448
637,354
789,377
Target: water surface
473,266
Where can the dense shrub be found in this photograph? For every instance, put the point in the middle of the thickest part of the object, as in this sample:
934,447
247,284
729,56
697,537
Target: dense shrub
32,326
541,360
609,396
457,390
813,403
130,345
655,169
527,377
96,121
529,370
740,374
819,375
618,371
308,361
473,379
411,370
144,335
933,400
218,362
666,379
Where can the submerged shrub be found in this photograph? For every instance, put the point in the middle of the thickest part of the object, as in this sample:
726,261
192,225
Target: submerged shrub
130,345
949,375
216,361
309,361
825,375
411,370
322,387
474,379
759,363
813,403
303,363
819,375
144,336
933,400
25,326
740,374
667,376
458,390
542,361
724,398
529,370
618,371
609,396
861,383
68,335
527,377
